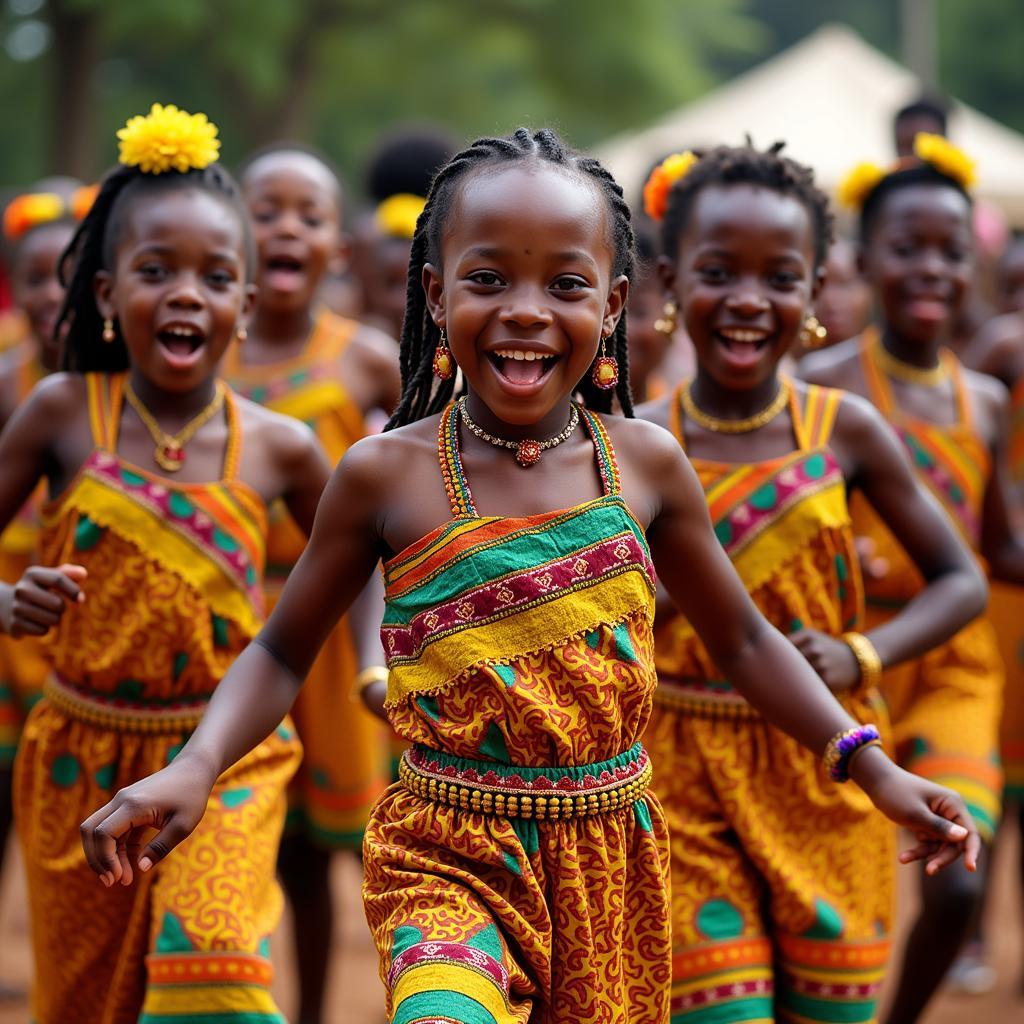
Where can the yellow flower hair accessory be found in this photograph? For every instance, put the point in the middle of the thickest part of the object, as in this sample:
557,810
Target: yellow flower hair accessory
168,139
938,152
859,184
662,178
396,216
26,212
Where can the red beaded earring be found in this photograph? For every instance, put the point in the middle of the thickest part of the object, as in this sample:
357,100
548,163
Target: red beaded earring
605,373
444,365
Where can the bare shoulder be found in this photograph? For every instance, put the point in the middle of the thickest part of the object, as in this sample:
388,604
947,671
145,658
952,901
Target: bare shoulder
656,411
831,366
643,445
56,402
857,422
990,394
375,346
999,346
286,439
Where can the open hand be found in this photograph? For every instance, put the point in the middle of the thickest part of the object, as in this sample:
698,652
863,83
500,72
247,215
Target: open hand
937,817
172,802
35,604
832,659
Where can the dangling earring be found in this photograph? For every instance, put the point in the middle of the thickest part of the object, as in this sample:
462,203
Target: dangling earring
605,373
813,334
241,333
108,331
666,324
443,365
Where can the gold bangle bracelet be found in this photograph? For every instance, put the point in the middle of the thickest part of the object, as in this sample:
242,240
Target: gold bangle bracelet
370,675
867,658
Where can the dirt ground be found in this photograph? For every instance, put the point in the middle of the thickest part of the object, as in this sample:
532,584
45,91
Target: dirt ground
356,997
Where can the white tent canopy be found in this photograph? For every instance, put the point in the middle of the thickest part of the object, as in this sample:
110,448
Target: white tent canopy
831,97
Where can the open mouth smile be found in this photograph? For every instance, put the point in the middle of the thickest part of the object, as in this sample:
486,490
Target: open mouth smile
522,368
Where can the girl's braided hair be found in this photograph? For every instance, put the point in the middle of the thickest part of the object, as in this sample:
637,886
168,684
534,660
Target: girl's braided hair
421,396
93,249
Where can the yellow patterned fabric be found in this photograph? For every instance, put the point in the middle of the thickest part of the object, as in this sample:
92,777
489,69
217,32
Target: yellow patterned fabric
1006,613
782,881
22,665
173,595
484,917
346,763
945,706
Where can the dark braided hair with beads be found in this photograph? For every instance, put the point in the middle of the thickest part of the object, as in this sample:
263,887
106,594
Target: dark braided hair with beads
745,165
93,248
422,394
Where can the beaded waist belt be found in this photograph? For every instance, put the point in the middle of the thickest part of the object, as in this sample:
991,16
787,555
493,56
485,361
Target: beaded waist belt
545,794
124,714
711,697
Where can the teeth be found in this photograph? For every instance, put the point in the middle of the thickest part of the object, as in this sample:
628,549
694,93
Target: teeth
519,355
183,332
746,337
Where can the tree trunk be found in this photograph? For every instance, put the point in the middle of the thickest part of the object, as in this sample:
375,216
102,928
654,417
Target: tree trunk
72,101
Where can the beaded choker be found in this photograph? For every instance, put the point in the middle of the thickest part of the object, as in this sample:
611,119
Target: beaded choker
528,451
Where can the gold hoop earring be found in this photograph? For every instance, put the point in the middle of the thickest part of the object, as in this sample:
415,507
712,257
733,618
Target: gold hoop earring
666,324
241,333
813,334
109,334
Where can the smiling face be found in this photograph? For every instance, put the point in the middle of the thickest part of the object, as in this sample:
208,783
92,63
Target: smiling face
918,259
743,278
295,207
35,288
525,290
177,286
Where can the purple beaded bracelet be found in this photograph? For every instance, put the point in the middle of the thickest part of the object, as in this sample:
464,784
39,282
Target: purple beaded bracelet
844,745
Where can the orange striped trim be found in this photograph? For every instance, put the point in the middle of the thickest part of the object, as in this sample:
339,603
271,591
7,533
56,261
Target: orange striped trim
967,460
834,956
977,768
721,956
104,395
820,411
201,968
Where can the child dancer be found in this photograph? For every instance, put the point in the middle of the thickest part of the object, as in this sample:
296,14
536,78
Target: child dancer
307,362
517,870
777,910
159,481
915,225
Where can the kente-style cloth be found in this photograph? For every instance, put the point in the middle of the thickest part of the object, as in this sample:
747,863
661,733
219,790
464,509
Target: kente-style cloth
521,664
345,764
946,705
782,880
173,595
22,665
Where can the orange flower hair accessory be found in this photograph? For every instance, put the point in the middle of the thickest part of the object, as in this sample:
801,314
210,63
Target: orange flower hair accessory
938,152
396,216
859,184
168,139
26,212
662,178
82,200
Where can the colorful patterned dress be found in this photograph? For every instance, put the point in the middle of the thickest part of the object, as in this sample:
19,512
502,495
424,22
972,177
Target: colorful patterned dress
22,664
345,765
173,595
946,705
517,873
782,881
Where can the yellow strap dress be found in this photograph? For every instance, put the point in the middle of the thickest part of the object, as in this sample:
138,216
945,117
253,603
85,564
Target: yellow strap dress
946,705
782,881
345,765
22,665
517,873
174,593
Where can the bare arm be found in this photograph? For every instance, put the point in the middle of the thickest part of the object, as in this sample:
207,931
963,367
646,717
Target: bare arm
1001,545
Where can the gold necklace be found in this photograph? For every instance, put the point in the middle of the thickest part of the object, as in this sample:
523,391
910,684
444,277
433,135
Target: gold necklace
744,426
893,366
528,452
169,454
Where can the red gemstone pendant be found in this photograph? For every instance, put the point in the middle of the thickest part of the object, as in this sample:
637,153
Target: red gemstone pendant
169,458
528,453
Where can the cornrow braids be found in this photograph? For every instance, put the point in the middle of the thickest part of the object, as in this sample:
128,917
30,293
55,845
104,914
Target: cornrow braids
93,249
745,165
421,394
914,174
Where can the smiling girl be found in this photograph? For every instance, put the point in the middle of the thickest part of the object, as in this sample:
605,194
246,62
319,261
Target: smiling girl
516,872
152,553
782,881
916,249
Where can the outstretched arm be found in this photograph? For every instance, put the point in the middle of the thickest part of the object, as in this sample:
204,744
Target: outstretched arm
260,686
769,671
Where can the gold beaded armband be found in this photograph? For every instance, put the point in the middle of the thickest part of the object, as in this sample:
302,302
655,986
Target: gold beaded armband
867,658
370,675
